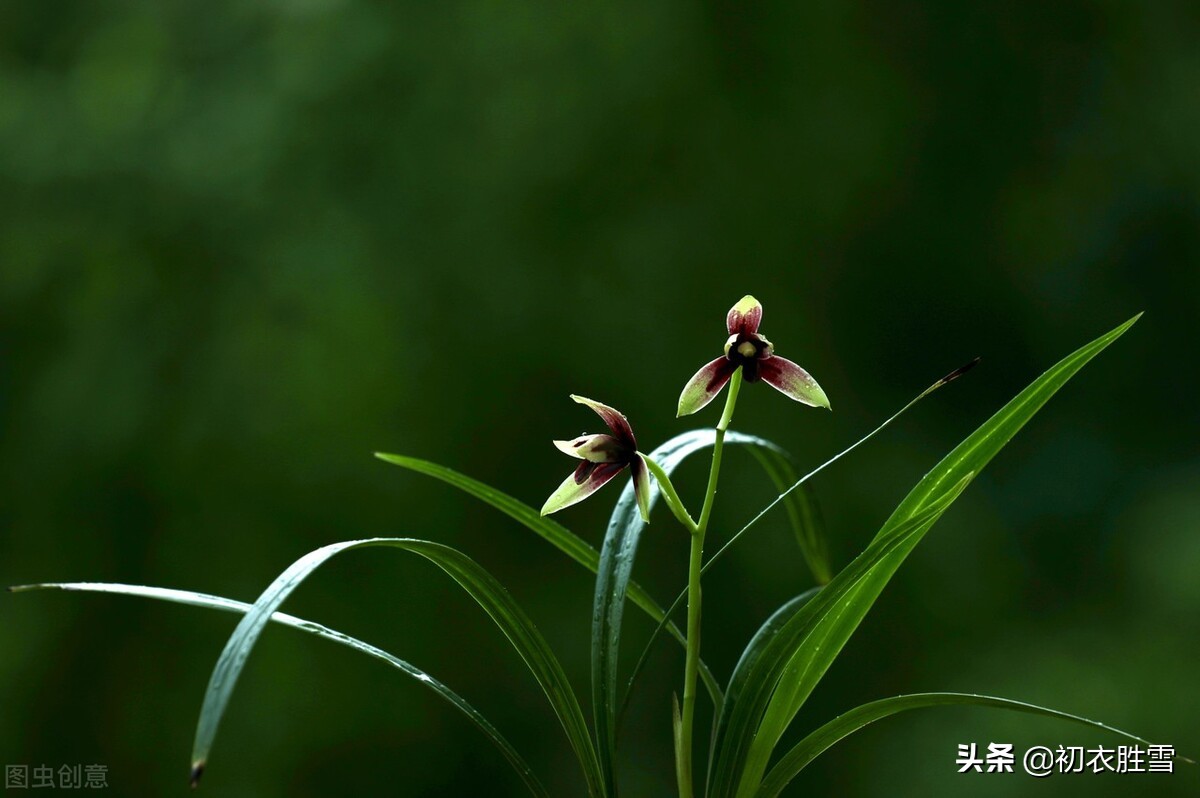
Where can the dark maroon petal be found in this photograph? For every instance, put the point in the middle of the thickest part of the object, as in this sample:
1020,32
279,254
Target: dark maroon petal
793,381
615,420
587,479
744,317
705,384
583,471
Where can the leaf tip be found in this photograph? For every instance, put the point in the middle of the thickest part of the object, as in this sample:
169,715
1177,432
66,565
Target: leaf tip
951,377
1132,321
958,372
197,772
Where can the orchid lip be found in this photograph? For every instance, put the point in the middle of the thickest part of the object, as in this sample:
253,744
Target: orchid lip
743,347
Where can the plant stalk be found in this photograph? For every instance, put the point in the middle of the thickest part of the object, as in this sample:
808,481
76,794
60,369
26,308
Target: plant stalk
683,753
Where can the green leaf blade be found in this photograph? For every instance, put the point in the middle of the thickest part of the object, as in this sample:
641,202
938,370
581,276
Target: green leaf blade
758,646
548,529
192,598
817,652
477,582
828,735
982,445
801,634
804,514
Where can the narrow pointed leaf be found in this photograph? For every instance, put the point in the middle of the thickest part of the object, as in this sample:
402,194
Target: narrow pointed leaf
803,511
548,529
816,652
229,605
751,655
803,481
804,631
982,445
477,582
819,741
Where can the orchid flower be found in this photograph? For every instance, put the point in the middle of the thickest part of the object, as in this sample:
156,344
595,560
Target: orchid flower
604,456
755,355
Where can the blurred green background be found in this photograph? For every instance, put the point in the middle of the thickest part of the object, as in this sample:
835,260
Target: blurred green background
243,245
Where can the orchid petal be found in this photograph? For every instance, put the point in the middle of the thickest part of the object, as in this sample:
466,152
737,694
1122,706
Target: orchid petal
641,487
745,316
792,381
587,479
704,385
615,419
599,448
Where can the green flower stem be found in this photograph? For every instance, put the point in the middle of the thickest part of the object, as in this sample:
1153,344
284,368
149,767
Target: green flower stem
669,494
683,754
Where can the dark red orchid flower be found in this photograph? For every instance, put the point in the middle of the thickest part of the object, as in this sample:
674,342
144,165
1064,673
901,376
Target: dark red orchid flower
755,355
604,456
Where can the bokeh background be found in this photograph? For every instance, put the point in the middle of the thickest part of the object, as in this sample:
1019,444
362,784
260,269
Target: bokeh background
244,245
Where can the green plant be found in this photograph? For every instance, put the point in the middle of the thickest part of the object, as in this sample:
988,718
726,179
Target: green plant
779,667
